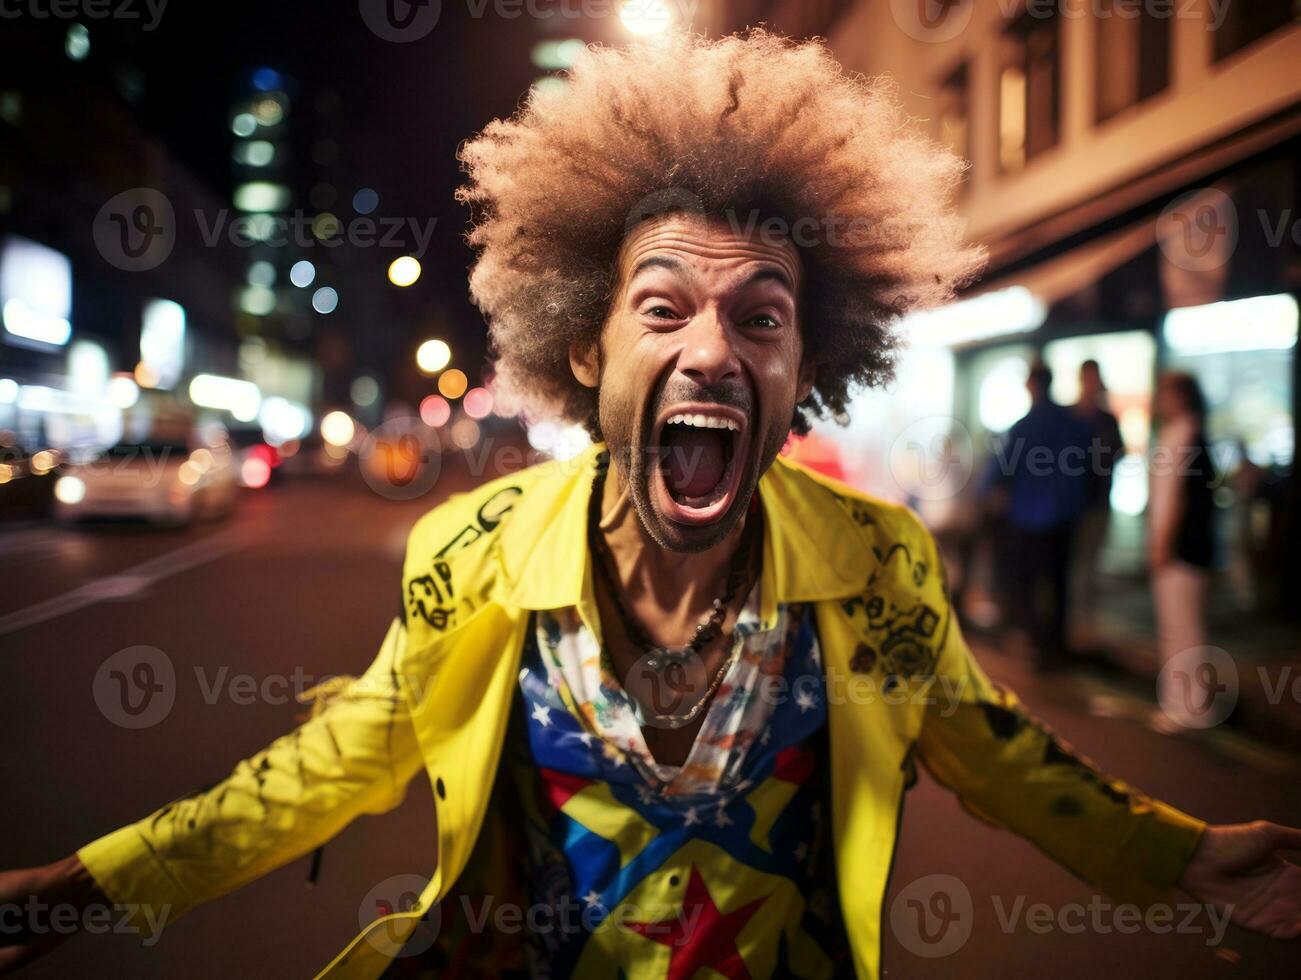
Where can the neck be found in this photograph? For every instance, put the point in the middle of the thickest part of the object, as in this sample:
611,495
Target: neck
674,582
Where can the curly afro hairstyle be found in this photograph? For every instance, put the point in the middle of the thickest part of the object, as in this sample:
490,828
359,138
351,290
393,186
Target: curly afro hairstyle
753,124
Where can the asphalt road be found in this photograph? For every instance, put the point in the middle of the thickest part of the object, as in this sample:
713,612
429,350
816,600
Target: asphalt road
301,584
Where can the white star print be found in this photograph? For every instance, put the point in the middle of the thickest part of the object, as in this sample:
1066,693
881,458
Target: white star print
690,818
585,738
721,819
644,794
765,738
543,714
593,899
804,700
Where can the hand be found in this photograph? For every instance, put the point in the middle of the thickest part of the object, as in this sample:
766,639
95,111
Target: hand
1237,868
65,882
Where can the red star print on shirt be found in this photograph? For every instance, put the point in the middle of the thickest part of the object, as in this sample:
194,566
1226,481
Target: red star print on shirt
701,935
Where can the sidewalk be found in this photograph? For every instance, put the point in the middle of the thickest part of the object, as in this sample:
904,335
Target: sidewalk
1266,652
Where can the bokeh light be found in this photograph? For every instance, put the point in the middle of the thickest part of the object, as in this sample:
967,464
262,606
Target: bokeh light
365,391
432,356
302,273
365,200
478,403
337,428
435,410
465,433
255,472
404,271
645,17
325,300
76,44
452,384
123,392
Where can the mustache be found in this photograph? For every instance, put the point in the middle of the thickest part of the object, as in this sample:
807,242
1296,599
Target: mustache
731,394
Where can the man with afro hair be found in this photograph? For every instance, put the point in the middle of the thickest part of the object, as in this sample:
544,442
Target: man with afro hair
670,694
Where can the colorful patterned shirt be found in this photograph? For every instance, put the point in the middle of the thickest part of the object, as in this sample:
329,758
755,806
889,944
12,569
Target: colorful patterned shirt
656,871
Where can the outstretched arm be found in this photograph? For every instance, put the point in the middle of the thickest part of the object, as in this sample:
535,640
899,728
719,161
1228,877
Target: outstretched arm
355,755
1013,771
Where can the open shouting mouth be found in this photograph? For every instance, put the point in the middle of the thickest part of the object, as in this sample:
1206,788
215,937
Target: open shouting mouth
700,449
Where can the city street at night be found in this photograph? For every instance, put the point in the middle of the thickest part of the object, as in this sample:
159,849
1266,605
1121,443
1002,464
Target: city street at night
300,585
650,489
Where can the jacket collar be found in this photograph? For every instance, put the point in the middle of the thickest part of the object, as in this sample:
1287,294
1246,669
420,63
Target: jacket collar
813,549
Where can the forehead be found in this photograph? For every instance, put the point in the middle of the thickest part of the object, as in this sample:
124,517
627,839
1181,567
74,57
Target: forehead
704,246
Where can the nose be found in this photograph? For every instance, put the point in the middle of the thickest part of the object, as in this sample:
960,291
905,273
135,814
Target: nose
707,355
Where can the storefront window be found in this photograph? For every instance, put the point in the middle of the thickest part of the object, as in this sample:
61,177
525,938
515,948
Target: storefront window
1126,361
1241,352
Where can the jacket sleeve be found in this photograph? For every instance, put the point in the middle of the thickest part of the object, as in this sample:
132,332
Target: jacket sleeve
355,755
1010,770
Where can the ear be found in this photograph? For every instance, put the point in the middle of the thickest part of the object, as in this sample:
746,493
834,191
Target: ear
585,363
807,371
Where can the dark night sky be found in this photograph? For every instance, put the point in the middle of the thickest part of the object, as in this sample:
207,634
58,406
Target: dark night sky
402,111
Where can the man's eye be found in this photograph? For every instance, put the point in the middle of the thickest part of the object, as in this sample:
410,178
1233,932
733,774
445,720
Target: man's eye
764,321
662,313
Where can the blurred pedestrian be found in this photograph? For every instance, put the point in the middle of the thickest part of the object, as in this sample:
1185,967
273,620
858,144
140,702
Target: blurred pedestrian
1106,447
1246,482
1043,461
1180,523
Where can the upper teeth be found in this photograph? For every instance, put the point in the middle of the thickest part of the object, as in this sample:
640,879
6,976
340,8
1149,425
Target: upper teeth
702,421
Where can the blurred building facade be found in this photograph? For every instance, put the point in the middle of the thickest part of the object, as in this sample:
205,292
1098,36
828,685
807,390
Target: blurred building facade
1134,175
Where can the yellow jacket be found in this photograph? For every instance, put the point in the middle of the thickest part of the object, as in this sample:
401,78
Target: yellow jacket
901,686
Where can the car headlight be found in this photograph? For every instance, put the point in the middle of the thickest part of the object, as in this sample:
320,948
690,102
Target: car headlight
70,490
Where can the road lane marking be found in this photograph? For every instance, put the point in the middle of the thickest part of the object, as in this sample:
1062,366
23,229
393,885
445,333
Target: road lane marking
122,584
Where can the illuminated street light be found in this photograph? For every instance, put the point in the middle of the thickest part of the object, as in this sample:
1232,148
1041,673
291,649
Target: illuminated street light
404,271
645,17
432,356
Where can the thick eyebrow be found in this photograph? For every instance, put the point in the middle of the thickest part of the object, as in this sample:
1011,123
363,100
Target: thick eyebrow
773,273
766,273
656,261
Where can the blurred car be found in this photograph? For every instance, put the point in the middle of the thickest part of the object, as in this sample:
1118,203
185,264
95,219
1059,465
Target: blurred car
165,482
256,460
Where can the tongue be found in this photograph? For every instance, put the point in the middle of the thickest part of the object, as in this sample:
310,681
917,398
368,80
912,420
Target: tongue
695,461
